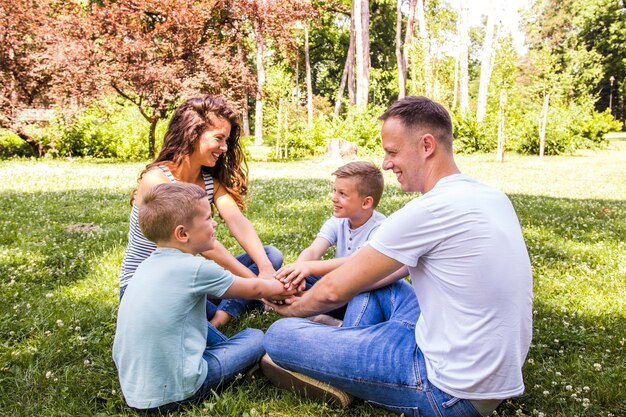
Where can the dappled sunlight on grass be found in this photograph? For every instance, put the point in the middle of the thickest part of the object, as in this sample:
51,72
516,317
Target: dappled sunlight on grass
58,283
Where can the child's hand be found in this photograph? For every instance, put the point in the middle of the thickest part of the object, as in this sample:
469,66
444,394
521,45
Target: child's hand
292,275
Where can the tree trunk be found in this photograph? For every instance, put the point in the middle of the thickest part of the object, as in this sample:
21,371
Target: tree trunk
342,84
463,27
279,128
309,84
485,65
501,127
409,35
260,49
361,30
245,116
455,94
423,35
152,136
351,61
399,56
35,145
544,124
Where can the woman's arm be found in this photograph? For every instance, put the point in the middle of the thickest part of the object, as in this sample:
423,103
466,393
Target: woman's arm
226,260
242,230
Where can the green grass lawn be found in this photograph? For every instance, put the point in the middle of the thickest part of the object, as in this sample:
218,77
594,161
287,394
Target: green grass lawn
58,283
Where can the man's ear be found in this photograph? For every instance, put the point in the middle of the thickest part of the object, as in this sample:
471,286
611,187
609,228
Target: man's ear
429,144
180,234
368,202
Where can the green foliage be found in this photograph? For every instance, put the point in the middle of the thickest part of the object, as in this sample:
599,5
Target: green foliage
106,129
569,129
12,145
469,135
360,127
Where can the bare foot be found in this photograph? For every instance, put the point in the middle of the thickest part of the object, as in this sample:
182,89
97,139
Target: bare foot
220,318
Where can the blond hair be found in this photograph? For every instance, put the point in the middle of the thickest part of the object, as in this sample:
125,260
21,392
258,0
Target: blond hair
369,178
166,206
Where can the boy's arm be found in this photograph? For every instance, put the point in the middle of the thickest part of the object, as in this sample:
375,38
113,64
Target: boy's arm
318,247
226,260
258,288
293,274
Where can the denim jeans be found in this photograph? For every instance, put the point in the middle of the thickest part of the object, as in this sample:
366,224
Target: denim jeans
235,306
226,358
373,356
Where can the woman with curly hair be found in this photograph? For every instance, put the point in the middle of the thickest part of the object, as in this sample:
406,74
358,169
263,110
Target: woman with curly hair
202,147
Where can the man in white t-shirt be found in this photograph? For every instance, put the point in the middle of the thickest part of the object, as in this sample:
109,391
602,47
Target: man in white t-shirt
462,354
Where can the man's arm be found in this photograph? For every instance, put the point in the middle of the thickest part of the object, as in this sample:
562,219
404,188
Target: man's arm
359,272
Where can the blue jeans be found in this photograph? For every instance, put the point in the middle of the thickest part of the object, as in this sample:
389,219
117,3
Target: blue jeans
235,306
373,356
226,358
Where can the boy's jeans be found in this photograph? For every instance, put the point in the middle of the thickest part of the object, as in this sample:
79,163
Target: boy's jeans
373,356
236,306
227,358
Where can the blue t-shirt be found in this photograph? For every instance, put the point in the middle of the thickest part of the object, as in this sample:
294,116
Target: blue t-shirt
337,231
162,327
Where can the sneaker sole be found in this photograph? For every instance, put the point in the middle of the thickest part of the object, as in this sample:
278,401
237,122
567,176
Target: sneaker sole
304,385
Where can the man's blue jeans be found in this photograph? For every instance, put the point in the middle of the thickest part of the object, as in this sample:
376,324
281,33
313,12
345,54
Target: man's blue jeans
235,306
373,356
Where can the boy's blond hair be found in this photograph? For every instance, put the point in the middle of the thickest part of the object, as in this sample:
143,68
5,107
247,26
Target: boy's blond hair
369,178
166,206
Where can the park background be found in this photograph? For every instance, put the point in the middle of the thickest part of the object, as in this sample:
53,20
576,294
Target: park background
87,88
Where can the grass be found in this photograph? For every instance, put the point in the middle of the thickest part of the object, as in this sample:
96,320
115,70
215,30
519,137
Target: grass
58,284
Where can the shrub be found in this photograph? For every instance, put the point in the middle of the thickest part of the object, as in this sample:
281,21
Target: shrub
469,135
569,129
12,145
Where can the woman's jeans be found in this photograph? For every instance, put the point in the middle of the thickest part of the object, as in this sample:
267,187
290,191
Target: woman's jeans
226,358
373,356
235,306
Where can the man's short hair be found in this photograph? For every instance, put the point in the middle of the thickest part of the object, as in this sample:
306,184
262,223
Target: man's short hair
369,178
419,112
166,206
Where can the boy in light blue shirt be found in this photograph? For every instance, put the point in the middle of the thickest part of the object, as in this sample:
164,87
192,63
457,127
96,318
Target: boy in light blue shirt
358,188
165,351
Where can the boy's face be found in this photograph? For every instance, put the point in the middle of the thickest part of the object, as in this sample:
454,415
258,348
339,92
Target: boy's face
347,202
201,232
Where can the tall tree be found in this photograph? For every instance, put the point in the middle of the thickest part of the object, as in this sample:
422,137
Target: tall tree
486,61
463,34
271,20
154,53
37,66
360,16
403,49
309,82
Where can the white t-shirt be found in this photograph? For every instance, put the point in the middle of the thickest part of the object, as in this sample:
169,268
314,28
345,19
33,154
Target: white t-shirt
471,272
337,231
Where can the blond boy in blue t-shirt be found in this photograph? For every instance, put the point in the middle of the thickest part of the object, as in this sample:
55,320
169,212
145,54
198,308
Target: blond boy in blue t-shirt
166,352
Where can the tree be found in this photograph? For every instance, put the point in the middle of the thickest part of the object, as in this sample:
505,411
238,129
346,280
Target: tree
402,50
486,64
37,66
463,34
154,53
360,16
271,19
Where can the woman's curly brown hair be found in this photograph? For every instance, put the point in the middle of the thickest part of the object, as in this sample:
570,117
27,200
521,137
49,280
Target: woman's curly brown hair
190,120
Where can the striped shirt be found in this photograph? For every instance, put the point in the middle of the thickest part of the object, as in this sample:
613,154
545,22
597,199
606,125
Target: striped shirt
139,248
